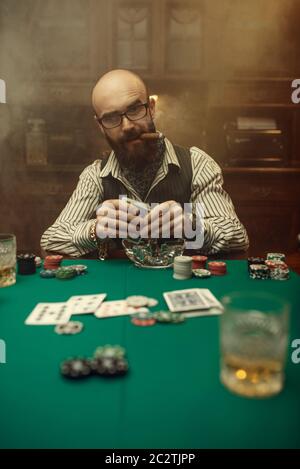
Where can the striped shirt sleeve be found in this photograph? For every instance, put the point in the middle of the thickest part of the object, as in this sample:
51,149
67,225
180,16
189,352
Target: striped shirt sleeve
222,229
70,233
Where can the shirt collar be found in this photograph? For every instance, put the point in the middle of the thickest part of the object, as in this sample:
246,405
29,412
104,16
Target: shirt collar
112,166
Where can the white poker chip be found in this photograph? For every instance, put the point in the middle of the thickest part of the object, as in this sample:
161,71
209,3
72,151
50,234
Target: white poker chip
69,328
142,310
80,268
137,301
152,302
38,261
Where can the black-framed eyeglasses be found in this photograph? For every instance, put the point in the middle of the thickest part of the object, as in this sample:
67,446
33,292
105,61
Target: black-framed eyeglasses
134,113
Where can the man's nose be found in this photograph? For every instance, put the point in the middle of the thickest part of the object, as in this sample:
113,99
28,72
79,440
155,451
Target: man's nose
127,124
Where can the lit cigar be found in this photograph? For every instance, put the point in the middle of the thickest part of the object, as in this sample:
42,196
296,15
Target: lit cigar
152,136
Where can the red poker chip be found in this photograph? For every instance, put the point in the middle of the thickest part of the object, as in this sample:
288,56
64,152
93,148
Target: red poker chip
143,322
199,262
217,264
56,258
215,272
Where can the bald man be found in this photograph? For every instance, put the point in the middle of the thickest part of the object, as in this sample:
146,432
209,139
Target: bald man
145,167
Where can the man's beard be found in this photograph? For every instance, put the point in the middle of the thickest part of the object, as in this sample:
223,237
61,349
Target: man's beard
140,154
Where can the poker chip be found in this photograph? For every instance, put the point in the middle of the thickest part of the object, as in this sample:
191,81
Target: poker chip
65,273
79,268
167,317
276,256
47,273
110,351
143,319
255,260
259,272
109,366
38,261
217,267
52,262
76,368
26,264
182,267
69,328
199,262
137,301
152,302
202,273
278,269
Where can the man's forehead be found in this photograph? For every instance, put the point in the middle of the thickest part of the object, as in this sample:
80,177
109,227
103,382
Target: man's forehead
118,96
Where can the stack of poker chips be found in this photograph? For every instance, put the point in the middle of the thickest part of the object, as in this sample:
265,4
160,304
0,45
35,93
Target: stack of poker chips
26,264
255,261
278,269
65,273
275,256
107,361
143,318
259,271
217,267
169,317
199,262
202,273
52,262
182,267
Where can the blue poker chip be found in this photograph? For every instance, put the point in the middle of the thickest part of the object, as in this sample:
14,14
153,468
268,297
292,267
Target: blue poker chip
44,273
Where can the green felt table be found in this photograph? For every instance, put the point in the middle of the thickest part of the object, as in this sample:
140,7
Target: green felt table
171,398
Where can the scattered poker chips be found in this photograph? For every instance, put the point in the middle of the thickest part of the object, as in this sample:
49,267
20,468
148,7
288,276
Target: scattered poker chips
199,262
182,267
139,301
276,256
107,361
109,366
109,351
167,317
79,268
52,262
47,273
76,368
259,271
69,328
152,302
278,269
65,273
217,267
26,264
143,319
202,273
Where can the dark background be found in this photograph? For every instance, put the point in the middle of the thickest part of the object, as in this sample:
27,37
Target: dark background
209,61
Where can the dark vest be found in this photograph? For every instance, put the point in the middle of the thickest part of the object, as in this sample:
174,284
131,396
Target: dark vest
175,186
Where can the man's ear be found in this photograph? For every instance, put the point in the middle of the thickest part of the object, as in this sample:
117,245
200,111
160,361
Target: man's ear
152,104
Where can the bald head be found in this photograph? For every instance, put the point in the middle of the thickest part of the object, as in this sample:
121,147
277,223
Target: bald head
116,90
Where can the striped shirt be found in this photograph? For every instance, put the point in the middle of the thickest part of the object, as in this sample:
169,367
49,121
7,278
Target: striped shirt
70,233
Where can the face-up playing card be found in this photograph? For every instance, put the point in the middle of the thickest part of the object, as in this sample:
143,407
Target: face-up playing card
85,304
191,299
45,314
114,308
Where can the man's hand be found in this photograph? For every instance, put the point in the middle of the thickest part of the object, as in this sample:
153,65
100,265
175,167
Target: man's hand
166,220
114,217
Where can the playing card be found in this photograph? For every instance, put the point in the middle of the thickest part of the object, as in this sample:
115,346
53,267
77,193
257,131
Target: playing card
85,304
114,308
191,299
48,314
